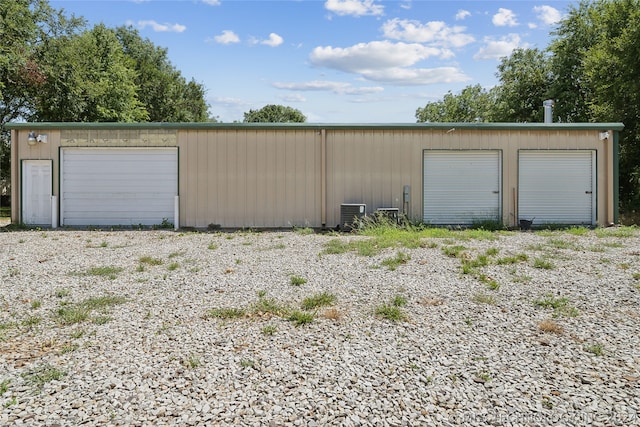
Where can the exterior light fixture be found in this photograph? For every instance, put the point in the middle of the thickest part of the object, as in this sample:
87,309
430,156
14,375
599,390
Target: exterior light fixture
32,139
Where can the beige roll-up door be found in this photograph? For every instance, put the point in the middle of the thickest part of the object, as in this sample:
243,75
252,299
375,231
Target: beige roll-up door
118,186
462,187
557,186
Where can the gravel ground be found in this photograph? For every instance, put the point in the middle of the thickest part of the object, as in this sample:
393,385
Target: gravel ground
473,347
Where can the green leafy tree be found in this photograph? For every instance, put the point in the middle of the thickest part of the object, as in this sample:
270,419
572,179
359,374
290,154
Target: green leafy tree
88,78
472,104
162,89
525,80
596,50
274,114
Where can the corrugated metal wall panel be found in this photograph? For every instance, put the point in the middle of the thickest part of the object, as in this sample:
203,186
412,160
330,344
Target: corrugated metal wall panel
557,186
461,187
250,178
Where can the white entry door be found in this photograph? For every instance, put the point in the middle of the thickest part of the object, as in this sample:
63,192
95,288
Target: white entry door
36,192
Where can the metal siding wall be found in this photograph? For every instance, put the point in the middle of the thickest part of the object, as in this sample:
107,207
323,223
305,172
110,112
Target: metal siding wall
250,178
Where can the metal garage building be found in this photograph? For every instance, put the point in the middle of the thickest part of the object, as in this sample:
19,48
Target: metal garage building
284,175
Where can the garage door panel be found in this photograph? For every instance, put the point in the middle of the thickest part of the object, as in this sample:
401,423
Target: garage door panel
557,187
118,186
461,187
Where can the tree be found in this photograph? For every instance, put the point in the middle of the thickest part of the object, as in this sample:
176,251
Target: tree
166,95
274,114
525,81
596,53
472,104
26,28
88,78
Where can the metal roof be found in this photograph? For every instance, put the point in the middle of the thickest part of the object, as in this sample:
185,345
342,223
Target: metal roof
318,126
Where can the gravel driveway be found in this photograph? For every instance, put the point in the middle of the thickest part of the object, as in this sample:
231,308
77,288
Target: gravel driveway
170,328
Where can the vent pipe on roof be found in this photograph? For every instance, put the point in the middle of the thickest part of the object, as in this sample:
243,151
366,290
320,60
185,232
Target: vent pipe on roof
548,110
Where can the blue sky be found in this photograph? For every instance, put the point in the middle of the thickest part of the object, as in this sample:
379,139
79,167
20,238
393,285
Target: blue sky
337,61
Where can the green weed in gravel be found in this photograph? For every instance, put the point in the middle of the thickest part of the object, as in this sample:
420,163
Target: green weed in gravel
213,246
543,264
595,349
4,386
297,280
36,304
69,315
390,312
484,299
395,262
399,301
96,303
560,306
618,232
269,330
106,271
318,300
300,318
173,266
40,375
514,259
150,260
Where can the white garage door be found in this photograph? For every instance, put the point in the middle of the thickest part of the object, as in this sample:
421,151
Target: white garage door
118,186
462,187
557,187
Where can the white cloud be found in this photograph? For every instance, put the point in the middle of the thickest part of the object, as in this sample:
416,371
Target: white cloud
329,86
385,61
547,14
160,28
212,2
373,55
417,76
273,40
496,49
462,14
504,18
354,7
227,37
293,97
435,32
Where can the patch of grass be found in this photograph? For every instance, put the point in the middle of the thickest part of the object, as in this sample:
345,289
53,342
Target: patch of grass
453,251
269,330
395,262
36,304
140,268
595,349
247,363
484,299
562,244
270,306
303,230
300,318
493,285
560,306
390,312
4,386
173,266
68,348
636,276
577,231
399,301
297,280
78,333
213,246
318,300
149,260
192,361
95,303
492,251
543,264
32,321
617,232
261,293
69,315
101,320
512,259
225,313
40,375
549,325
